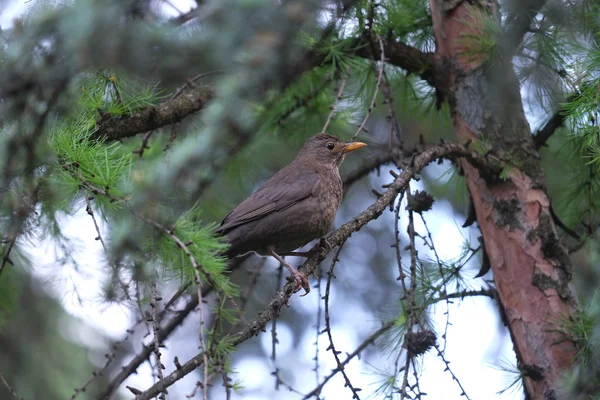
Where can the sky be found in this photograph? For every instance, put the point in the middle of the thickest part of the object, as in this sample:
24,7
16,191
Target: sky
478,346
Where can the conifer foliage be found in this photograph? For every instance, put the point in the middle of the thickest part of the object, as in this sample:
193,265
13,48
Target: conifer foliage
152,123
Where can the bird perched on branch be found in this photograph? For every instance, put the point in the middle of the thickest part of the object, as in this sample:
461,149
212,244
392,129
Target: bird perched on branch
297,205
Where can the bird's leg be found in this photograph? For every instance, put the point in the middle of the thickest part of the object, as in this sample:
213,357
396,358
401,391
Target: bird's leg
299,277
305,254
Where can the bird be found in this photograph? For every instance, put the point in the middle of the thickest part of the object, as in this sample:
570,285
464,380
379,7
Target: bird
295,206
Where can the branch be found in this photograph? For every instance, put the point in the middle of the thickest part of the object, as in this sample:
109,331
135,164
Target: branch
404,56
163,334
186,17
542,135
150,118
556,121
175,110
518,23
281,298
9,388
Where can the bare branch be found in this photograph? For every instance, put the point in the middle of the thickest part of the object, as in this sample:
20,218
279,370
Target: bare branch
156,330
338,97
406,57
361,127
331,347
133,365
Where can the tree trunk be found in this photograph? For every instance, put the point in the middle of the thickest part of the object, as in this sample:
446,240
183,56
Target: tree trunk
531,268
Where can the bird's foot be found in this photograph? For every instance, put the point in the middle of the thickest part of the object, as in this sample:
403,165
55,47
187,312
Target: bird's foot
301,281
299,277
325,244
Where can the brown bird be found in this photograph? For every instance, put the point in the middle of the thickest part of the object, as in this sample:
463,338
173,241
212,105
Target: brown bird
297,205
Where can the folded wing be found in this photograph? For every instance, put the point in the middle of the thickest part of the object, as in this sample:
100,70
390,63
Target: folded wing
283,190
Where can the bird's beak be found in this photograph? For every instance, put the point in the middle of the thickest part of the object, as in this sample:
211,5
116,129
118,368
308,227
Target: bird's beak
352,146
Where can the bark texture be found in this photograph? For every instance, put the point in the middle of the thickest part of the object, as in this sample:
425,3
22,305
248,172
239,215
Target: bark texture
531,267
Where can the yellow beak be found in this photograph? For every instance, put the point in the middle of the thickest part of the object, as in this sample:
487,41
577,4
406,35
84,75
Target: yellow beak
352,146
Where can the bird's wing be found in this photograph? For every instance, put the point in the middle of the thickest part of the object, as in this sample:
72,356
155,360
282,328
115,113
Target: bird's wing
287,187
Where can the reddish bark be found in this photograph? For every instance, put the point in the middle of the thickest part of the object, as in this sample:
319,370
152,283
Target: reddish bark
531,268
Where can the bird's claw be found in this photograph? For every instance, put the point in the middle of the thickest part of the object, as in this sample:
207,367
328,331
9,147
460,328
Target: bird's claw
301,282
325,244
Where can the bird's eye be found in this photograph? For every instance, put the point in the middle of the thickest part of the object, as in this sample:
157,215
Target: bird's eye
330,146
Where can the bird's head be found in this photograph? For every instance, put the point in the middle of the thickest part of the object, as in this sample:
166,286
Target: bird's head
327,149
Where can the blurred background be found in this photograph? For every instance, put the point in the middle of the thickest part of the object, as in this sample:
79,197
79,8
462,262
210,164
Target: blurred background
74,310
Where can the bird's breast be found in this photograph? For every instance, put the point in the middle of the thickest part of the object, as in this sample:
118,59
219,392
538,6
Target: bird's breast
329,196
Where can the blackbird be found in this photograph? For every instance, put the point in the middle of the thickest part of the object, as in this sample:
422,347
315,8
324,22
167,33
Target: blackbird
295,206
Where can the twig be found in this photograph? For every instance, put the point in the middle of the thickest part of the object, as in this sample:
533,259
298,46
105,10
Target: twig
6,256
110,357
340,367
156,329
280,382
367,342
27,140
185,17
361,127
443,287
144,145
202,341
338,97
274,340
164,333
410,296
191,82
10,388
447,363
254,275
138,359
318,325
370,164
90,211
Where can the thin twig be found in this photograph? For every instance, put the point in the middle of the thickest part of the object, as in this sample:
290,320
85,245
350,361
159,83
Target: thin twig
361,126
330,276
90,211
6,256
447,363
274,341
110,357
138,359
318,325
367,342
443,287
156,329
10,388
190,83
410,296
338,97
201,334
164,333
